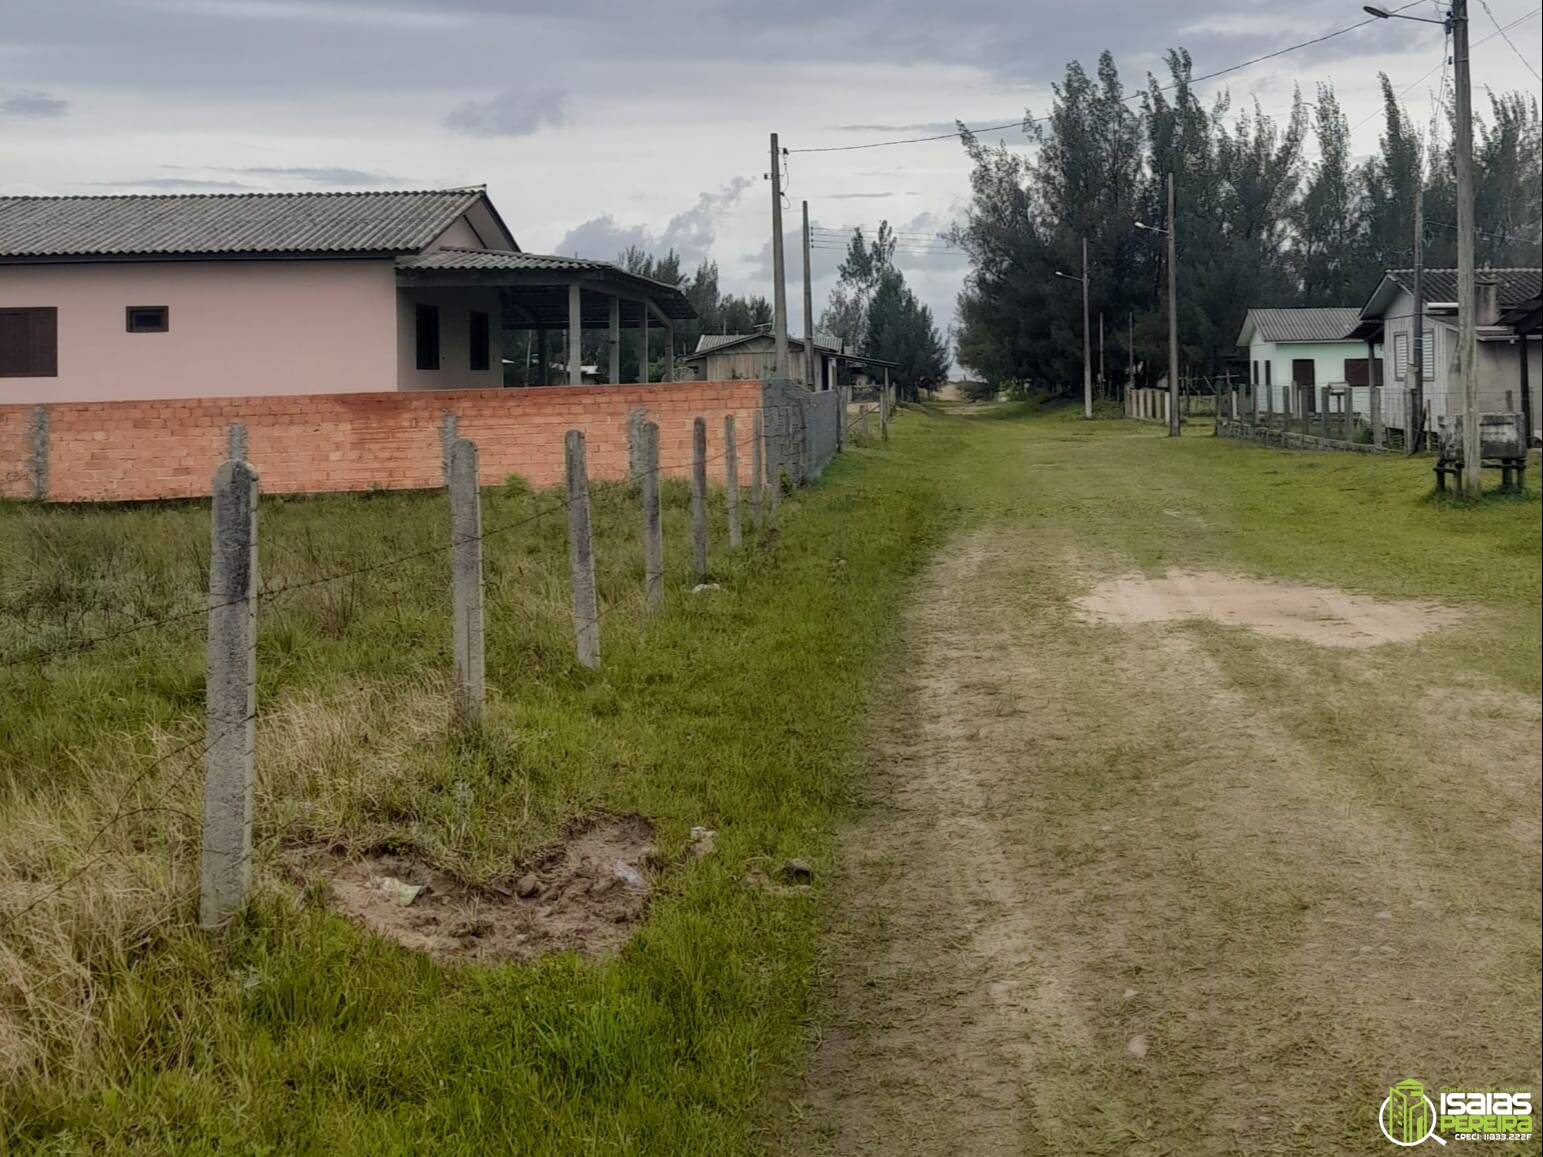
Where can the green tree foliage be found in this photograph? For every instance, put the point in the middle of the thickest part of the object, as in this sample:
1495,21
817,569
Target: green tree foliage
1260,223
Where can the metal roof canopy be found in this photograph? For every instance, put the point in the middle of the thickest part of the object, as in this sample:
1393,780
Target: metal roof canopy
534,287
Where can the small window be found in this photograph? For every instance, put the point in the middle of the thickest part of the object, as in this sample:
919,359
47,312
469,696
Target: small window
147,319
1256,373
1428,357
481,355
427,317
29,342
1400,355
1266,373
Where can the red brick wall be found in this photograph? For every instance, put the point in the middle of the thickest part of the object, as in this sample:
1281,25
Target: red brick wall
113,451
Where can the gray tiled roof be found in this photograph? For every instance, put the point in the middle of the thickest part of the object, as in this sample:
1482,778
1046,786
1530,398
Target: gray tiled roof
711,341
1516,285
227,224
1324,324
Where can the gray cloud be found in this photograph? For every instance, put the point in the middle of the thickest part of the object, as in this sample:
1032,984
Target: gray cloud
173,184
514,112
33,104
868,196
323,175
691,232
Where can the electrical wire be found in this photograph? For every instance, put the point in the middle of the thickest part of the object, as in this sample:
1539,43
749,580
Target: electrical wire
1527,64
1025,121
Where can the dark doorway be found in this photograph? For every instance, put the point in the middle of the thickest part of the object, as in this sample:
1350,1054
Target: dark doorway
1303,371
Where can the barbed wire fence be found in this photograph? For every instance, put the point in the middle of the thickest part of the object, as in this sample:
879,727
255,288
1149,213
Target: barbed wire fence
226,749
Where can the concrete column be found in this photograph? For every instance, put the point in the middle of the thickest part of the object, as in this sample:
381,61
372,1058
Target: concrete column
447,439
642,339
731,481
636,447
575,335
40,453
466,582
581,555
235,442
669,352
1323,412
653,539
699,496
613,339
1379,435
230,690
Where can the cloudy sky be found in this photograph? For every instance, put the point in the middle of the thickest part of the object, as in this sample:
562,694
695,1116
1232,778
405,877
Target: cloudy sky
597,124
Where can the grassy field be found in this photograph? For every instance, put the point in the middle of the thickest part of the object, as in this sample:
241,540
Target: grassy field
1141,888
124,1029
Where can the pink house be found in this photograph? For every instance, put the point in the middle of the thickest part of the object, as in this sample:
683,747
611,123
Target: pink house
207,296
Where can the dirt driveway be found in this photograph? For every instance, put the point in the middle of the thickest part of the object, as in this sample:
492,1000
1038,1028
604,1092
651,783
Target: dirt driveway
1170,884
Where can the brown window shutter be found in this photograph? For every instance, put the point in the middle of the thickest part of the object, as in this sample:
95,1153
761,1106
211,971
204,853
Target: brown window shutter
45,343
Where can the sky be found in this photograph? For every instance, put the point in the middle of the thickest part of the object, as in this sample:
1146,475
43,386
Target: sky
596,125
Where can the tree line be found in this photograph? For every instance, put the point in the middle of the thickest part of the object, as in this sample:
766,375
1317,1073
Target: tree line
1260,222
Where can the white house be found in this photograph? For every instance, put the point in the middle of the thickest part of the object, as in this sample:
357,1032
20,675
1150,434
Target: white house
1307,347
1507,324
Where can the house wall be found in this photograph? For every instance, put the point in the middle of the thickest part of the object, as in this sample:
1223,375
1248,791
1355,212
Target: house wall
116,451
236,328
455,309
1328,366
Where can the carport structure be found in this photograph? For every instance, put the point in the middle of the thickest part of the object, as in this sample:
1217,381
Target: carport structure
546,294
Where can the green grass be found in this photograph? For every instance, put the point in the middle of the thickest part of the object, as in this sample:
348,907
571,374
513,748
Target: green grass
124,1029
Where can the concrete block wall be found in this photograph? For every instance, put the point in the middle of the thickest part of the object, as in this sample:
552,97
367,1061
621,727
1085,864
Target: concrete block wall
124,451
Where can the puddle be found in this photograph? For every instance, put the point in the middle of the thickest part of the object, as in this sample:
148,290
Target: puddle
585,894
1322,615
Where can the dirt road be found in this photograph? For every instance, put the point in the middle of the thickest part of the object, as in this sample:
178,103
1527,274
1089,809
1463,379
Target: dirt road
1139,879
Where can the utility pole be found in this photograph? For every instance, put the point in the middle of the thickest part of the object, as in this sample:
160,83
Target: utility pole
1414,425
1087,337
808,310
779,283
1130,357
1173,318
1467,297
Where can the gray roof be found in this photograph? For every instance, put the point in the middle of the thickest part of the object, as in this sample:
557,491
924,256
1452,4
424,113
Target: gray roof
711,341
509,268
1332,323
236,224
1516,285
451,257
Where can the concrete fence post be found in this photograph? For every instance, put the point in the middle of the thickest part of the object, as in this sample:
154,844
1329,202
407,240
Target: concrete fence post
1374,403
230,692
635,449
581,555
447,437
731,481
699,496
1324,400
466,583
236,442
40,453
774,469
653,537
758,469
883,414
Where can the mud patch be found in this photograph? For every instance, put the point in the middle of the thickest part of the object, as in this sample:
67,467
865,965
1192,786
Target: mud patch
1322,615
585,895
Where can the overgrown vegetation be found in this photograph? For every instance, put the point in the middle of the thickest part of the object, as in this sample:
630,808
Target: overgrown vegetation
124,1029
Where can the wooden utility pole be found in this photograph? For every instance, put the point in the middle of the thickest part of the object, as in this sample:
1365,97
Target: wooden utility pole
809,381
1087,339
1103,382
1173,318
1467,298
779,281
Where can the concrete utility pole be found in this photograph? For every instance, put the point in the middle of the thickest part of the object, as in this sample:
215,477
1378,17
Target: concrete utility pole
1103,382
1173,318
1467,297
1130,357
1087,353
779,281
808,310
1414,423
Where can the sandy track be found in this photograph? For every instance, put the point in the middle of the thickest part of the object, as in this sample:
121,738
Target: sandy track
1144,889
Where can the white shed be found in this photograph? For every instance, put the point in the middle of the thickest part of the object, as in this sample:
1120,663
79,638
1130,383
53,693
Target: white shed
1308,347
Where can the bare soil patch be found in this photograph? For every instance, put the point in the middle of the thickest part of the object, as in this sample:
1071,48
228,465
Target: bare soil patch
585,894
1322,615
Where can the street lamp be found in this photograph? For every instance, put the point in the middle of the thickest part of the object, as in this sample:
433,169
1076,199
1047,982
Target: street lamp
1173,312
1456,25
1087,351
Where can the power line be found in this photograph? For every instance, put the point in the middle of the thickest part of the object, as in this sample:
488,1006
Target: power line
1025,121
1527,64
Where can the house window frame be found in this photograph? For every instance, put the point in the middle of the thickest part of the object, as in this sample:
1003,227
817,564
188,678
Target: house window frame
426,336
163,326
1400,355
49,368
